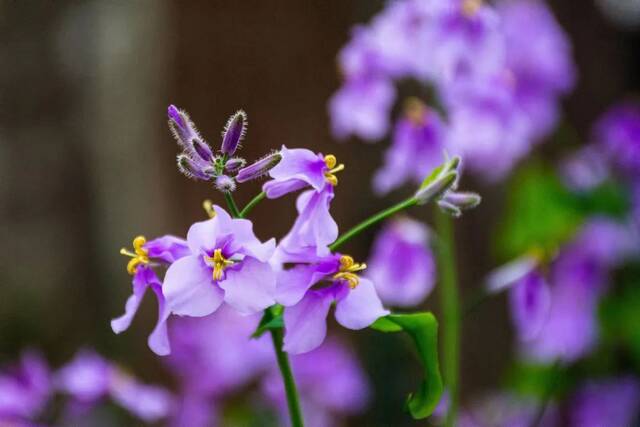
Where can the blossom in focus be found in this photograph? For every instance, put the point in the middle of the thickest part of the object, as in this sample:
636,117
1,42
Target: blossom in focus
613,402
417,147
618,133
24,390
401,264
88,379
309,290
226,263
163,250
314,228
330,382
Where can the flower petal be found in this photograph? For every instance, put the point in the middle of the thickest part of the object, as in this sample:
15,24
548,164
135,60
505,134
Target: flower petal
167,248
360,307
291,285
251,288
143,277
306,322
189,288
158,340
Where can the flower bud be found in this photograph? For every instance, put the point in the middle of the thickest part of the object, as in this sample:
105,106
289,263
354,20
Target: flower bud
181,126
233,132
462,200
259,168
225,183
449,209
436,188
202,149
191,169
234,164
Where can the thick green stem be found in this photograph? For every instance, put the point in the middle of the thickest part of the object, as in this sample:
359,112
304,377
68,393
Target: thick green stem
287,376
232,205
371,221
245,211
449,300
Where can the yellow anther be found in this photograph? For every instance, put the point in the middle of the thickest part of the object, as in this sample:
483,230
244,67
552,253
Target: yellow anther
348,269
331,161
219,263
207,205
414,110
471,7
138,256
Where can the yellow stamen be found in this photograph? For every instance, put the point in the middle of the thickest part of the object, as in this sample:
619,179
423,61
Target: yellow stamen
471,7
219,263
414,110
138,256
207,205
348,269
331,161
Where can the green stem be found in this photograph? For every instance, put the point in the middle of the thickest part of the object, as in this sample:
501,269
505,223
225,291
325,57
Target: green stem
232,205
449,300
245,211
371,221
289,384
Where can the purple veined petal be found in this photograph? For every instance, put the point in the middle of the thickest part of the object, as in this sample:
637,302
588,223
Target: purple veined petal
143,278
167,248
86,378
158,340
189,289
530,301
202,235
360,307
250,288
292,284
298,165
149,403
306,322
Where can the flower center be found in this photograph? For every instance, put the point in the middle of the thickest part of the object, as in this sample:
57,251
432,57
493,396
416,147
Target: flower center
138,256
471,7
414,110
330,161
348,269
219,263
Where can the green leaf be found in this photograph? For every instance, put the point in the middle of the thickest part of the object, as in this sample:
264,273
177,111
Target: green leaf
423,329
272,319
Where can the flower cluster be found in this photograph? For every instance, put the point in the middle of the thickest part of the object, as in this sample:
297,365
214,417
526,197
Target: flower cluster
496,87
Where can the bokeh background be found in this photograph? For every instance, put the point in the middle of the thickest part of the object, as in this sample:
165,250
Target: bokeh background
87,162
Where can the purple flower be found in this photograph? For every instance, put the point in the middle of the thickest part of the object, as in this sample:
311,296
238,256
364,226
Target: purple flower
314,227
330,383
166,249
613,403
417,148
24,390
618,132
361,107
226,263
89,378
585,169
401,264
309,290
233,133
508,411
529,303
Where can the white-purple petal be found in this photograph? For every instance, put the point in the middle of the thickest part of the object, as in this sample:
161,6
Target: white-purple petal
251,287
306,322
360,307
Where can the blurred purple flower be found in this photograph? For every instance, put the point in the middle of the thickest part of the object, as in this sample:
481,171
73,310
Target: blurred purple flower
227,264
508,411
330,383
529,303
585,169
618,132
417,147
401,264
611,403
357,304
24,390
165,250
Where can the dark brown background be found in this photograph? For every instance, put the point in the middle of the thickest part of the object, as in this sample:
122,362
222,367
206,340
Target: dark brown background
86,161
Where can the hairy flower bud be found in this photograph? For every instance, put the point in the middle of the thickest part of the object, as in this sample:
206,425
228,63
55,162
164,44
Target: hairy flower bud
234,132
449,209
462,200
202,149
234,164
436,188
191,169
225,183
259,168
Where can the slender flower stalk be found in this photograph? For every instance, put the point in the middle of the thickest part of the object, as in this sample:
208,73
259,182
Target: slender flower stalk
245,211
450,312
293,401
